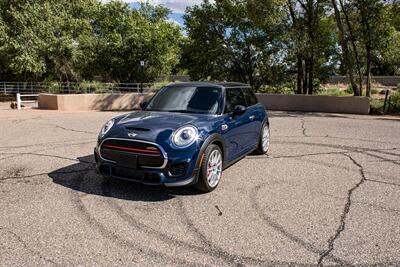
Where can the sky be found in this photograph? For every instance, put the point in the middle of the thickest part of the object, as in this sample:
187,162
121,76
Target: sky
176,6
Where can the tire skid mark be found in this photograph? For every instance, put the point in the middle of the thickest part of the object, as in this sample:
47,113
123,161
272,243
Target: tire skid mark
32,251
34,153
349,149
208,248
279,228
52,144
340,138
42,174
238,260
16,154
157,234
79,205
297,157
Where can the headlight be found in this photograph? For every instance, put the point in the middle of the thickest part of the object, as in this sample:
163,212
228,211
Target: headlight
106,127
185,136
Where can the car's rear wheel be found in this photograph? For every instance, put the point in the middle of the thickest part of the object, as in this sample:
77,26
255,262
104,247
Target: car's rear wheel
263,144
210,169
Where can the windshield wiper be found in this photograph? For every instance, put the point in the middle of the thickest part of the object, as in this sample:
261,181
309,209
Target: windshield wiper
181,111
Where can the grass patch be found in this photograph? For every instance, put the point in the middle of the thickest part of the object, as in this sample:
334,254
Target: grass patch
334,92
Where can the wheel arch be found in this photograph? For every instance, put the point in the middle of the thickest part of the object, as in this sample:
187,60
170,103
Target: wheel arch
212,139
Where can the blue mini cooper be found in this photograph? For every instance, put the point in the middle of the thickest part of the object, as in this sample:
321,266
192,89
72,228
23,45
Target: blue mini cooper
185,135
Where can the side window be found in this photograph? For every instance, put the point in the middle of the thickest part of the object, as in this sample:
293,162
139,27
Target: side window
251,98
234,97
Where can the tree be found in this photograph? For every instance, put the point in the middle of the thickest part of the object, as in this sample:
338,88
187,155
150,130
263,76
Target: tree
234,40
68,40
347,56
313,40
374,32
124,37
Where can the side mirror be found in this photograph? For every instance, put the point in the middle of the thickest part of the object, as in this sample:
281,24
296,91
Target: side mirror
239,110
143,105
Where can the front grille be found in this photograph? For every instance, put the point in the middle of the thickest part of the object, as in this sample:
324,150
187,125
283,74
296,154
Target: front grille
132,154
178,169
131,146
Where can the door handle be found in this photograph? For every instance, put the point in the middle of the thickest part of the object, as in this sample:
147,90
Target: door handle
252,117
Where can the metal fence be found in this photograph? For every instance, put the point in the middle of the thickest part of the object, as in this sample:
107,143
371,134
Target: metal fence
7,88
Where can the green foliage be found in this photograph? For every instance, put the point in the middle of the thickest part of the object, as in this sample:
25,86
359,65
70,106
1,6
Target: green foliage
374,91
395,103
394,107
283,89
266,43
349,90
68,40
234,40
334,92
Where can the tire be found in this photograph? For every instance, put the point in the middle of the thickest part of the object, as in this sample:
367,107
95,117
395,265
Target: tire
210,169
263,147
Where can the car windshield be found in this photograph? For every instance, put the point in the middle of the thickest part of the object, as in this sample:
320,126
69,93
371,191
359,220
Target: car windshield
187,99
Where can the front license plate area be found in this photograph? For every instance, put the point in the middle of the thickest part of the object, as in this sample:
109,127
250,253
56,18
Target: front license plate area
127,161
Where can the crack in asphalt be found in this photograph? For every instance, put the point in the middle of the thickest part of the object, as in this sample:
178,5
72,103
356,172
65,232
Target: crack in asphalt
345,212
381,182
298,156
72,130
49,143
279,228
303,127
340,138
24,244
42,155
352,149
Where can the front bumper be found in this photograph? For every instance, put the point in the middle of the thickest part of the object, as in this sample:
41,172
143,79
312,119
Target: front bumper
164,175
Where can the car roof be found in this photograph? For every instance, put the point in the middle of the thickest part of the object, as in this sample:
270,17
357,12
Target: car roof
219,84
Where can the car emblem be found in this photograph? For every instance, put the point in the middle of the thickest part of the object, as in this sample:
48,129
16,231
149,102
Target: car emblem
132,134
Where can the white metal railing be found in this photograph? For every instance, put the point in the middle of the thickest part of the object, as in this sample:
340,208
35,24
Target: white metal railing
73,87
20,101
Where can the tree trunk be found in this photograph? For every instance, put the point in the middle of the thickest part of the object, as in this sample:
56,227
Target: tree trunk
346,54
300,75
368,71
311,76
305,76
353,44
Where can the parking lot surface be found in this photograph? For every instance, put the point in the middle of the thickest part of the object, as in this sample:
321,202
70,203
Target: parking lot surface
328,193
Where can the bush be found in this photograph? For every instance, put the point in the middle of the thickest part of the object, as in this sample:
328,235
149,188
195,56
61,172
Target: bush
395,103
349,90
333,92
283,90
374,91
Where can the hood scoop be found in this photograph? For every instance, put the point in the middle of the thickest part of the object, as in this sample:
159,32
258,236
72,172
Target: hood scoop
132,128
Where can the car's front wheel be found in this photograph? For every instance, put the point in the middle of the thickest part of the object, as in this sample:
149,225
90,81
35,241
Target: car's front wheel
210,169
263,144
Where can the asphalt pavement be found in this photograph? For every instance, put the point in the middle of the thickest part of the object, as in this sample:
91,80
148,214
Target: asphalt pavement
327,193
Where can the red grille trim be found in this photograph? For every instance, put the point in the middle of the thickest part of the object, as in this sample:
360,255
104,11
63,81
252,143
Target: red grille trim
133,149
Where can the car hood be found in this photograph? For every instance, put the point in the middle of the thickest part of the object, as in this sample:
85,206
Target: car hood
153,125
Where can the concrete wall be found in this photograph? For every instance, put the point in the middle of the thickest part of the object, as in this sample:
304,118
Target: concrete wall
130,101
92,101
329,104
